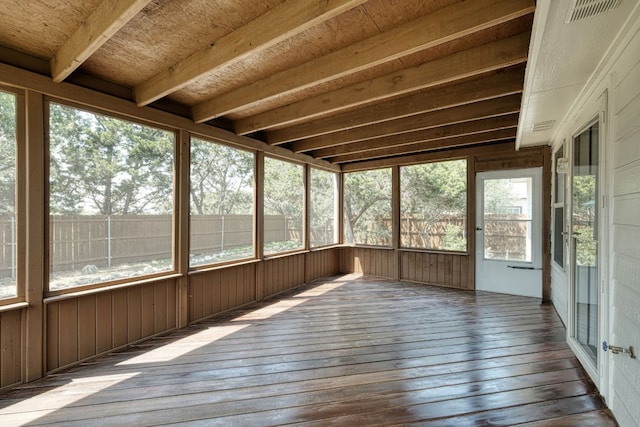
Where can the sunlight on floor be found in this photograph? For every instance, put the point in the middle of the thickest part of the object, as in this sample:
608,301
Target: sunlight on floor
271,310
185,345
29,410
322,289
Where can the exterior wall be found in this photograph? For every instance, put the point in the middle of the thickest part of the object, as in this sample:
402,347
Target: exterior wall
619,77
625,232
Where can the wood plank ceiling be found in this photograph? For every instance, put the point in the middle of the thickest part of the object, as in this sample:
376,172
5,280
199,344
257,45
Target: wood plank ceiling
339,80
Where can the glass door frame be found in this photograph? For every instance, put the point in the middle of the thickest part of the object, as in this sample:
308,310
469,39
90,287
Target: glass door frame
599,372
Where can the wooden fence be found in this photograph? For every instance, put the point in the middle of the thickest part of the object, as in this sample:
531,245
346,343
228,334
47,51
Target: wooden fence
81,240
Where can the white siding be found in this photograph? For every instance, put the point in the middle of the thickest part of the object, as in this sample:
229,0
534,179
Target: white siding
625,271
619,76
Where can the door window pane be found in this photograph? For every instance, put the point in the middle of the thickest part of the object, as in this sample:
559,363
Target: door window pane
8,266
283,206
367,207
323,208
584,224
221,220
110,199
433,207
508,219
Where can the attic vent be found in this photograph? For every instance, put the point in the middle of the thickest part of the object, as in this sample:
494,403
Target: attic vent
581,9
540,126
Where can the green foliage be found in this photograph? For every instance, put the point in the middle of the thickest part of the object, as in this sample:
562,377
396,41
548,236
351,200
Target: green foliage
107,166
7,153
367,206
284,189
432,193
454,239
322,215
221,179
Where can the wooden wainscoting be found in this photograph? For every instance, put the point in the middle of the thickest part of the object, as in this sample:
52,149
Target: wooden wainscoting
379,262
80,327
442,269
10,347
322,263
282,273
215,291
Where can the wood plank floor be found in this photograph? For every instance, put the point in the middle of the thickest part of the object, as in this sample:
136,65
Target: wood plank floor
347,352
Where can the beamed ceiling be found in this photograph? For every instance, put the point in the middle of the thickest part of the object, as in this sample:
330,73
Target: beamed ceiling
340,80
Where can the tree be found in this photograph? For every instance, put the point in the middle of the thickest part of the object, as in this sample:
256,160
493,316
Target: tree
322,215
367,203
432,193
284,189
107,166
221,179
7,153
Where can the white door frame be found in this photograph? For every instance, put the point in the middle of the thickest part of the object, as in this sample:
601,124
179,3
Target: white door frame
511,271
600,374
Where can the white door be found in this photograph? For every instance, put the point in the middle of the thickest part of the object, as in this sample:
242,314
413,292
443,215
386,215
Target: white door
509,232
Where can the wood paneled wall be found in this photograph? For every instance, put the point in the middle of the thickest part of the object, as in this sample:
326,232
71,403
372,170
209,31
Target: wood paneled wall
375,261
81,327
78,328
215,291
442,269
11,345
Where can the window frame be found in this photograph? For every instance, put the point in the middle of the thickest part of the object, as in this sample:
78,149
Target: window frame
175,226
465,226
392,228
336,208
20,196
560,152
256,159
304,219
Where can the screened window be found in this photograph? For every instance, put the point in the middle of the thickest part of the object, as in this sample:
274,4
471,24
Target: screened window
323,207
8,266
508,219
433,207
110,198
283,206
222,218
367,207
558,212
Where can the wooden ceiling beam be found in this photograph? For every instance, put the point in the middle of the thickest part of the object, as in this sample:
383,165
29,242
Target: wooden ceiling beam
422,146
283,22
489,57
508,121
431,30
478,110
432,99
433,156
100,26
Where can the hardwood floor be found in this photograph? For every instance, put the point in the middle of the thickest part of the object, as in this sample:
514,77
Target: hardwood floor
348,351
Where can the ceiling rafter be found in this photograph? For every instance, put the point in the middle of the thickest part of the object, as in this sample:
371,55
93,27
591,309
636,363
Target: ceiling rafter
432,156
429,145
100,26
475,61
280,23
462,113
431,30
441,132
493,86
